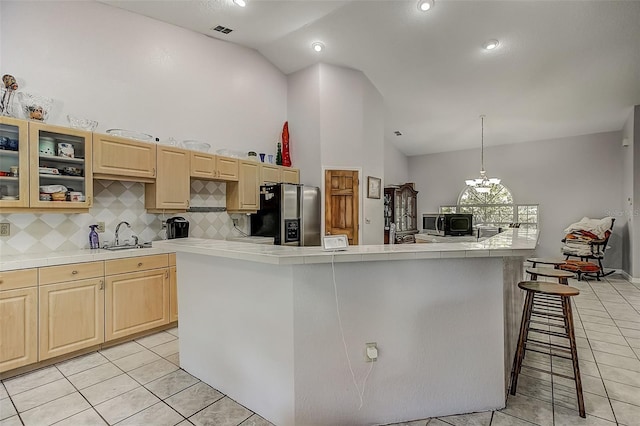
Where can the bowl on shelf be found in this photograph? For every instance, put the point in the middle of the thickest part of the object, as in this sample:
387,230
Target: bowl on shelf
131,135
82,123
59,196
196,145
36,107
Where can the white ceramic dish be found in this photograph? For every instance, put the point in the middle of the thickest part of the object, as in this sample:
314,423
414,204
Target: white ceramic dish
131,134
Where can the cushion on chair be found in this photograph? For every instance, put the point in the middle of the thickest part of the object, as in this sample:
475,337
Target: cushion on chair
580,266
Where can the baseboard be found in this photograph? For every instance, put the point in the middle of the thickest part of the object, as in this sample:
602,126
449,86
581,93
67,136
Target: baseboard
629,277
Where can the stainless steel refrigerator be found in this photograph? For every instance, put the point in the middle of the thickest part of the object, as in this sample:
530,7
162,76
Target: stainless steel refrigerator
289,213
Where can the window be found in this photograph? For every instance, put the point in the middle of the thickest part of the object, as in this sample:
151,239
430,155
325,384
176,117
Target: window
494,208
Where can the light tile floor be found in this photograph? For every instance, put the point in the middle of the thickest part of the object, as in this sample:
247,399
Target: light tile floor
140,382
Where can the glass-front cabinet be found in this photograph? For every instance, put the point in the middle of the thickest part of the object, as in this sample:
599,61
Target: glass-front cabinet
60,167
14,163
400,207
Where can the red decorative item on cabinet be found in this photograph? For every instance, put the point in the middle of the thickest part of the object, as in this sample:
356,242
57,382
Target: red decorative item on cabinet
286,159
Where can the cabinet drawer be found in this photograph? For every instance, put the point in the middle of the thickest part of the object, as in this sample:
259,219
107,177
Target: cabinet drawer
72,272
172,259
11,280
133,264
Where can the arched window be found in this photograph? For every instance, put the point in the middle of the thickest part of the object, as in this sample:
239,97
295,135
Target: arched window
494,208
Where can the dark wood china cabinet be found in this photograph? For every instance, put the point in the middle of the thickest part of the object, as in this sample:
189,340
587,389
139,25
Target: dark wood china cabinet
400,208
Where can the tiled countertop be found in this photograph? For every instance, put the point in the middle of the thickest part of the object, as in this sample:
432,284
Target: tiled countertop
24,261
512,242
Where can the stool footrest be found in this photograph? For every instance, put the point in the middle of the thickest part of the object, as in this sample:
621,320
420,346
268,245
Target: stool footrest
546,314
550,344
550,333
548,372
547,353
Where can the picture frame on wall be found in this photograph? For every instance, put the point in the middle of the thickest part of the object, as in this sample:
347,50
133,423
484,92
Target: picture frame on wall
373,187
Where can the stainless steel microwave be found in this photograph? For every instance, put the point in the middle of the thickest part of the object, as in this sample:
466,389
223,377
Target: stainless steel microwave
451,224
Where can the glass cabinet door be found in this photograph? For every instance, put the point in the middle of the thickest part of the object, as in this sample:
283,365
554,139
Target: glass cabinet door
14,163
61,174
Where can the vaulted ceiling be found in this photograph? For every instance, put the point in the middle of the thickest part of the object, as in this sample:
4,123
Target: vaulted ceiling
562,68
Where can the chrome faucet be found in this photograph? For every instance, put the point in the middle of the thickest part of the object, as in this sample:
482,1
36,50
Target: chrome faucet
117,241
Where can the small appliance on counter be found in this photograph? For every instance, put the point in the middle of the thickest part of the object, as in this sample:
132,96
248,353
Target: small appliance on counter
177,227
449,224
289,213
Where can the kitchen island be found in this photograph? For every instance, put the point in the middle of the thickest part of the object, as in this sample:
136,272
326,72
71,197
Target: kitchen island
260,323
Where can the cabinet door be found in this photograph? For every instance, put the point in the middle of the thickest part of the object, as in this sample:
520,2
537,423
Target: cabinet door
173,296
71,316
242,196
123,159
269,174
136,302
203,165
227,168
18,333
60,156
171,190
290,175
14,190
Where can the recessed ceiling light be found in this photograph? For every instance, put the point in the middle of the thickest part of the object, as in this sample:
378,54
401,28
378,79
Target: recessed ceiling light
241,3
317,46
491,44
424,5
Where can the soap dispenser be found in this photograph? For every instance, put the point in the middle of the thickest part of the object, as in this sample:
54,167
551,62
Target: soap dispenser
94,241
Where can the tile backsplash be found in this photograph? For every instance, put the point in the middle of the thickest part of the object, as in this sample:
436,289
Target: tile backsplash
115,201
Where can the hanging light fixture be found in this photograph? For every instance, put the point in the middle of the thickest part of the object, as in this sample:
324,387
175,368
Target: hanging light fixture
483,183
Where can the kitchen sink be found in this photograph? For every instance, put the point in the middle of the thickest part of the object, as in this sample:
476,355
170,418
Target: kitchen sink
127,246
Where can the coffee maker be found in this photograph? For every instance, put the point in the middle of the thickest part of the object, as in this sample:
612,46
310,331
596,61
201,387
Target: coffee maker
177,227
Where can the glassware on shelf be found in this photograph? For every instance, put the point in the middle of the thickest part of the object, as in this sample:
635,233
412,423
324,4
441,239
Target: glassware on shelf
82,123
36,107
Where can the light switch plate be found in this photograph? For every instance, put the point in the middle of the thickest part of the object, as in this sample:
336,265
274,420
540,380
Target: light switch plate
5,229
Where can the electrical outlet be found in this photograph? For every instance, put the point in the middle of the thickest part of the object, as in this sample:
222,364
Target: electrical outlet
100,228
235,222
371,352
5,229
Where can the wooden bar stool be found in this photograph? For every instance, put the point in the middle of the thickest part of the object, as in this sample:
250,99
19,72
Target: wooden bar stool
546,261
555,319
562,276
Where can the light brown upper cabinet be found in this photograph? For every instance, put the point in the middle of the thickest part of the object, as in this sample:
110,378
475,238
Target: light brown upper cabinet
60,156
269,173
117,158
213,167
242,196
290,175
171,189
15,153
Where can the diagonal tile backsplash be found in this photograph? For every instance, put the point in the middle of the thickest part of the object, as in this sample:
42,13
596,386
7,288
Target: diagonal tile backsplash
115,201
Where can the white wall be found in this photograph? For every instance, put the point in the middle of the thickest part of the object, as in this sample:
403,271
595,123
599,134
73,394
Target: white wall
337,122
128,71
396,165
303,112
569,178
634,209
627,219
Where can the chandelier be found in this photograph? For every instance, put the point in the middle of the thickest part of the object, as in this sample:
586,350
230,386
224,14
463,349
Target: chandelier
483,183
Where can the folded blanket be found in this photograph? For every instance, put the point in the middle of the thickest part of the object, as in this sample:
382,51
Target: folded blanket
598,227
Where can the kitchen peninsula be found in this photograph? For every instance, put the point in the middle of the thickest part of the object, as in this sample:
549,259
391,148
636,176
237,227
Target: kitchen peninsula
260,324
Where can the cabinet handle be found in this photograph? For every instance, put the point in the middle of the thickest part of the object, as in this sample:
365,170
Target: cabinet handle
74,272
101,285
166,274
154,172
139,264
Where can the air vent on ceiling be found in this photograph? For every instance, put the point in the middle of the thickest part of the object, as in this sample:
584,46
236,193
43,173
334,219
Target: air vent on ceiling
221,29
398,133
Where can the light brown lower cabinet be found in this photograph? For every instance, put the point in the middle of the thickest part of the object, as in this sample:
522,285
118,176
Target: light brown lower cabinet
71,316
18,319
173,288
136,302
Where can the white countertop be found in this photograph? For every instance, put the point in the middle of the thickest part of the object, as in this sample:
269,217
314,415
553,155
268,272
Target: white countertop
36,260
512,242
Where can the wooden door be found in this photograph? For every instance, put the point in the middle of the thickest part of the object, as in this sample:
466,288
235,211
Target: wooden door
19,330
136,302
341,194
71,316
123,159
